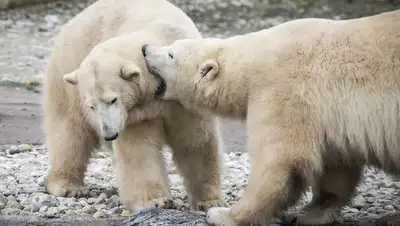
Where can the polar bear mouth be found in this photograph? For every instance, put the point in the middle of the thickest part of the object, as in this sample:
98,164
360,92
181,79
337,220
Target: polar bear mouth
162,87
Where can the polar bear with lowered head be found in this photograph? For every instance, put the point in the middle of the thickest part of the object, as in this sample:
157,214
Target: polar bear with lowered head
97,90
320,98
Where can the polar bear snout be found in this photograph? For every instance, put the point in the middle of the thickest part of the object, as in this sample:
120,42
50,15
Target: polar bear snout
144,48
150,67
111,137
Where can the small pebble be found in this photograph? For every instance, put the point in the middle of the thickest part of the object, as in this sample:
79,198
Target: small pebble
358,205
74,205
3,199
83,203
10,211
69,212
52,211
34,208
126,213
43,209
89,209
14,205
101,199
178,202
117,210
92,194
24,147
353,210
19,149
91,201
389,207
113,201
99,214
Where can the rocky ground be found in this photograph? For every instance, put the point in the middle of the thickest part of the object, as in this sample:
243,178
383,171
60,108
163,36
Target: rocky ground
25,40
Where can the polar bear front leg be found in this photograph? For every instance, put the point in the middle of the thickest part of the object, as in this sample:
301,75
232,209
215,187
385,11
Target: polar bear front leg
141,175
195,143
280,166
69,140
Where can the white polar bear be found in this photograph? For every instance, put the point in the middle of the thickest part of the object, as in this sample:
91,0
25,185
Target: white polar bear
321,99
96,90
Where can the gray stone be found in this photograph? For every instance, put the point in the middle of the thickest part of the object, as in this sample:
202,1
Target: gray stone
14,205
91,201
116,210
34,208
126,213
43,209
75,205
389,207
113,201
10,211
3,199
93,194
2,205
49,201
83,203
21,148
101,199
89,209
358,205
52,211
99,214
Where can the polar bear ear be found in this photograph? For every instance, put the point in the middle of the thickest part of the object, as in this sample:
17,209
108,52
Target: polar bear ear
129,71
71,78
209,69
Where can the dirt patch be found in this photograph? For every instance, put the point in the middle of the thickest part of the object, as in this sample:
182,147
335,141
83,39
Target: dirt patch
20,116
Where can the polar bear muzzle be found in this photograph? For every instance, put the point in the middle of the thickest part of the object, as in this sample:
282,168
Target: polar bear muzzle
111,138
161,88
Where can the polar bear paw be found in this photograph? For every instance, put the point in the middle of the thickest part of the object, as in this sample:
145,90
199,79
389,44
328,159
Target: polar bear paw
220,216
206,205
64,188
163,202
160,202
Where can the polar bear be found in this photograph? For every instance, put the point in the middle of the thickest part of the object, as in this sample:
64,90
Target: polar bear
320,98
96,91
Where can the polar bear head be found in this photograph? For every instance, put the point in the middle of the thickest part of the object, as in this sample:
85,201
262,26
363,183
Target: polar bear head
110,81
197,74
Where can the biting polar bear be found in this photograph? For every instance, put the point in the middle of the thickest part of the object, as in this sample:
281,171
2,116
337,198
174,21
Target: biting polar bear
321,100
97,89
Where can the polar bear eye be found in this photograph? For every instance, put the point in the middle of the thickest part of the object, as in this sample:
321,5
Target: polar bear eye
170,55
91,107
113,101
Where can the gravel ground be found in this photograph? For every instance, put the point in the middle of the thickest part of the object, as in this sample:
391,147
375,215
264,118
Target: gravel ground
25,40
24,167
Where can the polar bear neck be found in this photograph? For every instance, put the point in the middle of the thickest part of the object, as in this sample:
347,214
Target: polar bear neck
228,94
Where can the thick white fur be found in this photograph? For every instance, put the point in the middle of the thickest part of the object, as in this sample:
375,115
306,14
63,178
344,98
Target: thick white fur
96,58
321,99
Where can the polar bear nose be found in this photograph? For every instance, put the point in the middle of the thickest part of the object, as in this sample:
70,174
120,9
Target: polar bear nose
144,47
111,138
